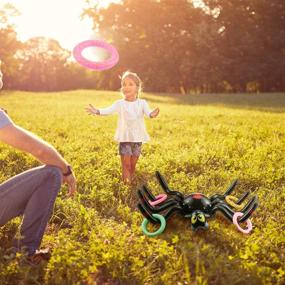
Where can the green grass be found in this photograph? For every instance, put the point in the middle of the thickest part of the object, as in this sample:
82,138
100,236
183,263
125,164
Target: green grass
200,143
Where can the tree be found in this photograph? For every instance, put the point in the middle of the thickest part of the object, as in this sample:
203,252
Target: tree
252,42
173,45
9,43
152,39
42,65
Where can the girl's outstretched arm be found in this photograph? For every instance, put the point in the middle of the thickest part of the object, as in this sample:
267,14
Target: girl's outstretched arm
103,111
151,114
154,113
91,110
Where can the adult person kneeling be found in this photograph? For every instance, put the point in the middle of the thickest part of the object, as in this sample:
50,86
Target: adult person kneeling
33,192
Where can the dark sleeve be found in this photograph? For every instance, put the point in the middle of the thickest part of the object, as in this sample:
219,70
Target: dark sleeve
4,119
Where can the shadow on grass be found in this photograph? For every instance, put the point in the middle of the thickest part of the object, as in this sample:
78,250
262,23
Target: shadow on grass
268,102
206,253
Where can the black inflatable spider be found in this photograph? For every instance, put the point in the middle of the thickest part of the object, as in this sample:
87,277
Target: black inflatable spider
195,206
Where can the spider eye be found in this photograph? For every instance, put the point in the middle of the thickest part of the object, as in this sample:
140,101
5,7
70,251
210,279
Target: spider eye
201,218
193,219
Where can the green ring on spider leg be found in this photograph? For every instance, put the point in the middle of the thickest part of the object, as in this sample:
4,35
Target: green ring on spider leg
159,231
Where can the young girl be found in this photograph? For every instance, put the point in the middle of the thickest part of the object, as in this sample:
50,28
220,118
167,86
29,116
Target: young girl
131,131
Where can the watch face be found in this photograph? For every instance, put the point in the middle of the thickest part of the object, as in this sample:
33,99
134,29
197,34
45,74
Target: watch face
69,171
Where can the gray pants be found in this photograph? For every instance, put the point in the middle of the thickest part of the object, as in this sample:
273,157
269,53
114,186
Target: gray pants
31,194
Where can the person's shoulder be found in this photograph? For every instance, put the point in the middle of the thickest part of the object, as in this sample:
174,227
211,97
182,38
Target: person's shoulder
119,101
142,101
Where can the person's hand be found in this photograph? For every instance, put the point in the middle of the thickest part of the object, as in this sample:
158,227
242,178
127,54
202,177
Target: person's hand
4,110
91,110
70,180
154,113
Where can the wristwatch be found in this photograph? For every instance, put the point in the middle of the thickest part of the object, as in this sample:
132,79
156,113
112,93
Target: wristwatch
69,171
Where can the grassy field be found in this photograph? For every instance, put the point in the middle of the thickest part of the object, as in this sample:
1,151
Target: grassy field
200,143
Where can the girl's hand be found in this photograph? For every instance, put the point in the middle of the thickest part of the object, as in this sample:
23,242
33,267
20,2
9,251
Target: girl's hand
154,113
91,110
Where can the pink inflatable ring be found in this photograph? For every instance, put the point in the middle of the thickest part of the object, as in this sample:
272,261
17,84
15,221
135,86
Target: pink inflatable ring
248,222
158,199
107,64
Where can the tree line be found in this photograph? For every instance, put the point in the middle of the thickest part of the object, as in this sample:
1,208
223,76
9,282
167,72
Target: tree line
174,46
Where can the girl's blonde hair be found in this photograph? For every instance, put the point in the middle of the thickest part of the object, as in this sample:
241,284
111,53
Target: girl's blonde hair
134,77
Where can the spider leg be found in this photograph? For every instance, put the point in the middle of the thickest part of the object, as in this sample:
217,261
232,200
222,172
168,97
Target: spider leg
217,198
249,209
242,198
172,210
249,204
148,193
158,208
226,210
146,213
165,187
231,188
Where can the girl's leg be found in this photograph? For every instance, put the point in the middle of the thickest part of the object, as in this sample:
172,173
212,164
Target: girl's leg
134,160
32,194
136,151
126,168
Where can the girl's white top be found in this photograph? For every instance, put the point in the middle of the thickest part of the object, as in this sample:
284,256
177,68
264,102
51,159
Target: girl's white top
131,127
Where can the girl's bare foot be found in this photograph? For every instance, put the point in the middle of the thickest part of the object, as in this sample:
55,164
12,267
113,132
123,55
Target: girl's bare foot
127,181
134,180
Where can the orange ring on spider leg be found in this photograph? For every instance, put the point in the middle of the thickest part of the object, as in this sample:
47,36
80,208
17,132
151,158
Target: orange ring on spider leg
158,199
248,222
104,65
232,201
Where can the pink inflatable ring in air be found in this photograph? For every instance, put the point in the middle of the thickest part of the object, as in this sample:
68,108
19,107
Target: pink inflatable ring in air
107,64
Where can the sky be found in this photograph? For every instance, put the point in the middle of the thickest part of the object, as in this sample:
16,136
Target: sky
57,19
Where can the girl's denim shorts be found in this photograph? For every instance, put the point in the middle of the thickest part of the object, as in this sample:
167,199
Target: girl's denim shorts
130,148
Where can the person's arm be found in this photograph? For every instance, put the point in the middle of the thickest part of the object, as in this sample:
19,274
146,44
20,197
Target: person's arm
148,112
21,139
102,111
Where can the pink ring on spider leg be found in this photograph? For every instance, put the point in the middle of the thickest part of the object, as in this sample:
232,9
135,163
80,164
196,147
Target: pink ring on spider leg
248,222
107,64
158,199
